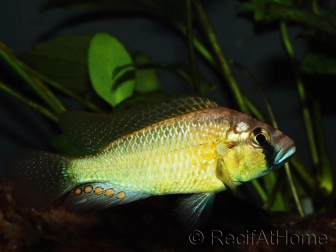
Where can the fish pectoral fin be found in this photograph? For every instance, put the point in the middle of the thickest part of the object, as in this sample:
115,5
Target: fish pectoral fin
99,196
195,210
223,175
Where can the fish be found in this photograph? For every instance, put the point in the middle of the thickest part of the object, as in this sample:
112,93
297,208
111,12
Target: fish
184,145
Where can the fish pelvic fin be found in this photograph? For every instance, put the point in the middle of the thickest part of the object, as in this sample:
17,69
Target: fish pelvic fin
39,178
195,210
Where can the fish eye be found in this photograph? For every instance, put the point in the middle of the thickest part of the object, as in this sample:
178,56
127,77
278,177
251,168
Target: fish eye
260,137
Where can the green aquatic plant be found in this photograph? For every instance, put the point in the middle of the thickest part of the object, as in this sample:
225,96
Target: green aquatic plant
100,73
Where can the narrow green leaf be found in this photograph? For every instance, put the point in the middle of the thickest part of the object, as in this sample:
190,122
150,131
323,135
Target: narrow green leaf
316,63
279,12
63,59
186,73
324,170
257,7
146,80
28,102
106,54
331,16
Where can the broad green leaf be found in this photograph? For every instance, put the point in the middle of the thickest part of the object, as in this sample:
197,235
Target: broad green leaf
63,59
316,63
146,80
106,54
140,99
60,143
182,70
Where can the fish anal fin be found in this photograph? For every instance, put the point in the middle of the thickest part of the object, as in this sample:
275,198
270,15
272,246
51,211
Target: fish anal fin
195,210
99,196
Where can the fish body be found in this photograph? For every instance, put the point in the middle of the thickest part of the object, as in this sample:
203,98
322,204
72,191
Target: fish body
186,145
177,155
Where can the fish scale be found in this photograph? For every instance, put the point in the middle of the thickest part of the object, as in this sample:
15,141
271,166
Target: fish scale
167,151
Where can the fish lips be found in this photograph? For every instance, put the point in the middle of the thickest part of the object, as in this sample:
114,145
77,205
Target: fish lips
283,155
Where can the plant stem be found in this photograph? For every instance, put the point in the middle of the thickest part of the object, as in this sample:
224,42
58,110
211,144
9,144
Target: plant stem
315,7
270,179
30,103
327,178
204,52
301,90
306,177
273,193
294,192
261,92
254,111
59,87
259,190
223,64
295,162
42,90
191,53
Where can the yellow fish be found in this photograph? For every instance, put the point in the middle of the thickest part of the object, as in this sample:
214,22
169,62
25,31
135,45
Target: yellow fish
187,145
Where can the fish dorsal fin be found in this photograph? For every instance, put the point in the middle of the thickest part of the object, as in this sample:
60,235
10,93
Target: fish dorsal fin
90,132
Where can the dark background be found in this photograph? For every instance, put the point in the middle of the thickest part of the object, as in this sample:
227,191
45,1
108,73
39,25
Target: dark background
258,49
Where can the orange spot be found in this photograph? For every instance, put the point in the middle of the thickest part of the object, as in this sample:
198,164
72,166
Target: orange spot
109,192
194,181
98,190
88,189
121,195
78,191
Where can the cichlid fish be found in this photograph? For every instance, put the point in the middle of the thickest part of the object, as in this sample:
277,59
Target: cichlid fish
187,145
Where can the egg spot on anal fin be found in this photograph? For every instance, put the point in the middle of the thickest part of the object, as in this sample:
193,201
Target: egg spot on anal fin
101,196
88,189
223,175
78,191
99,190
109,192
121,195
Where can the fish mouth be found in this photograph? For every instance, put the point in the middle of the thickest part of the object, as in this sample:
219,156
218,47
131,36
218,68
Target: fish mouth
283,154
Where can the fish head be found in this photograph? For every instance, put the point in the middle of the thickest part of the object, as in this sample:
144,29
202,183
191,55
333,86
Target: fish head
255,149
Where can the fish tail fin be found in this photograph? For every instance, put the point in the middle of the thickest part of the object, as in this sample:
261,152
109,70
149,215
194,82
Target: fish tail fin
39,178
